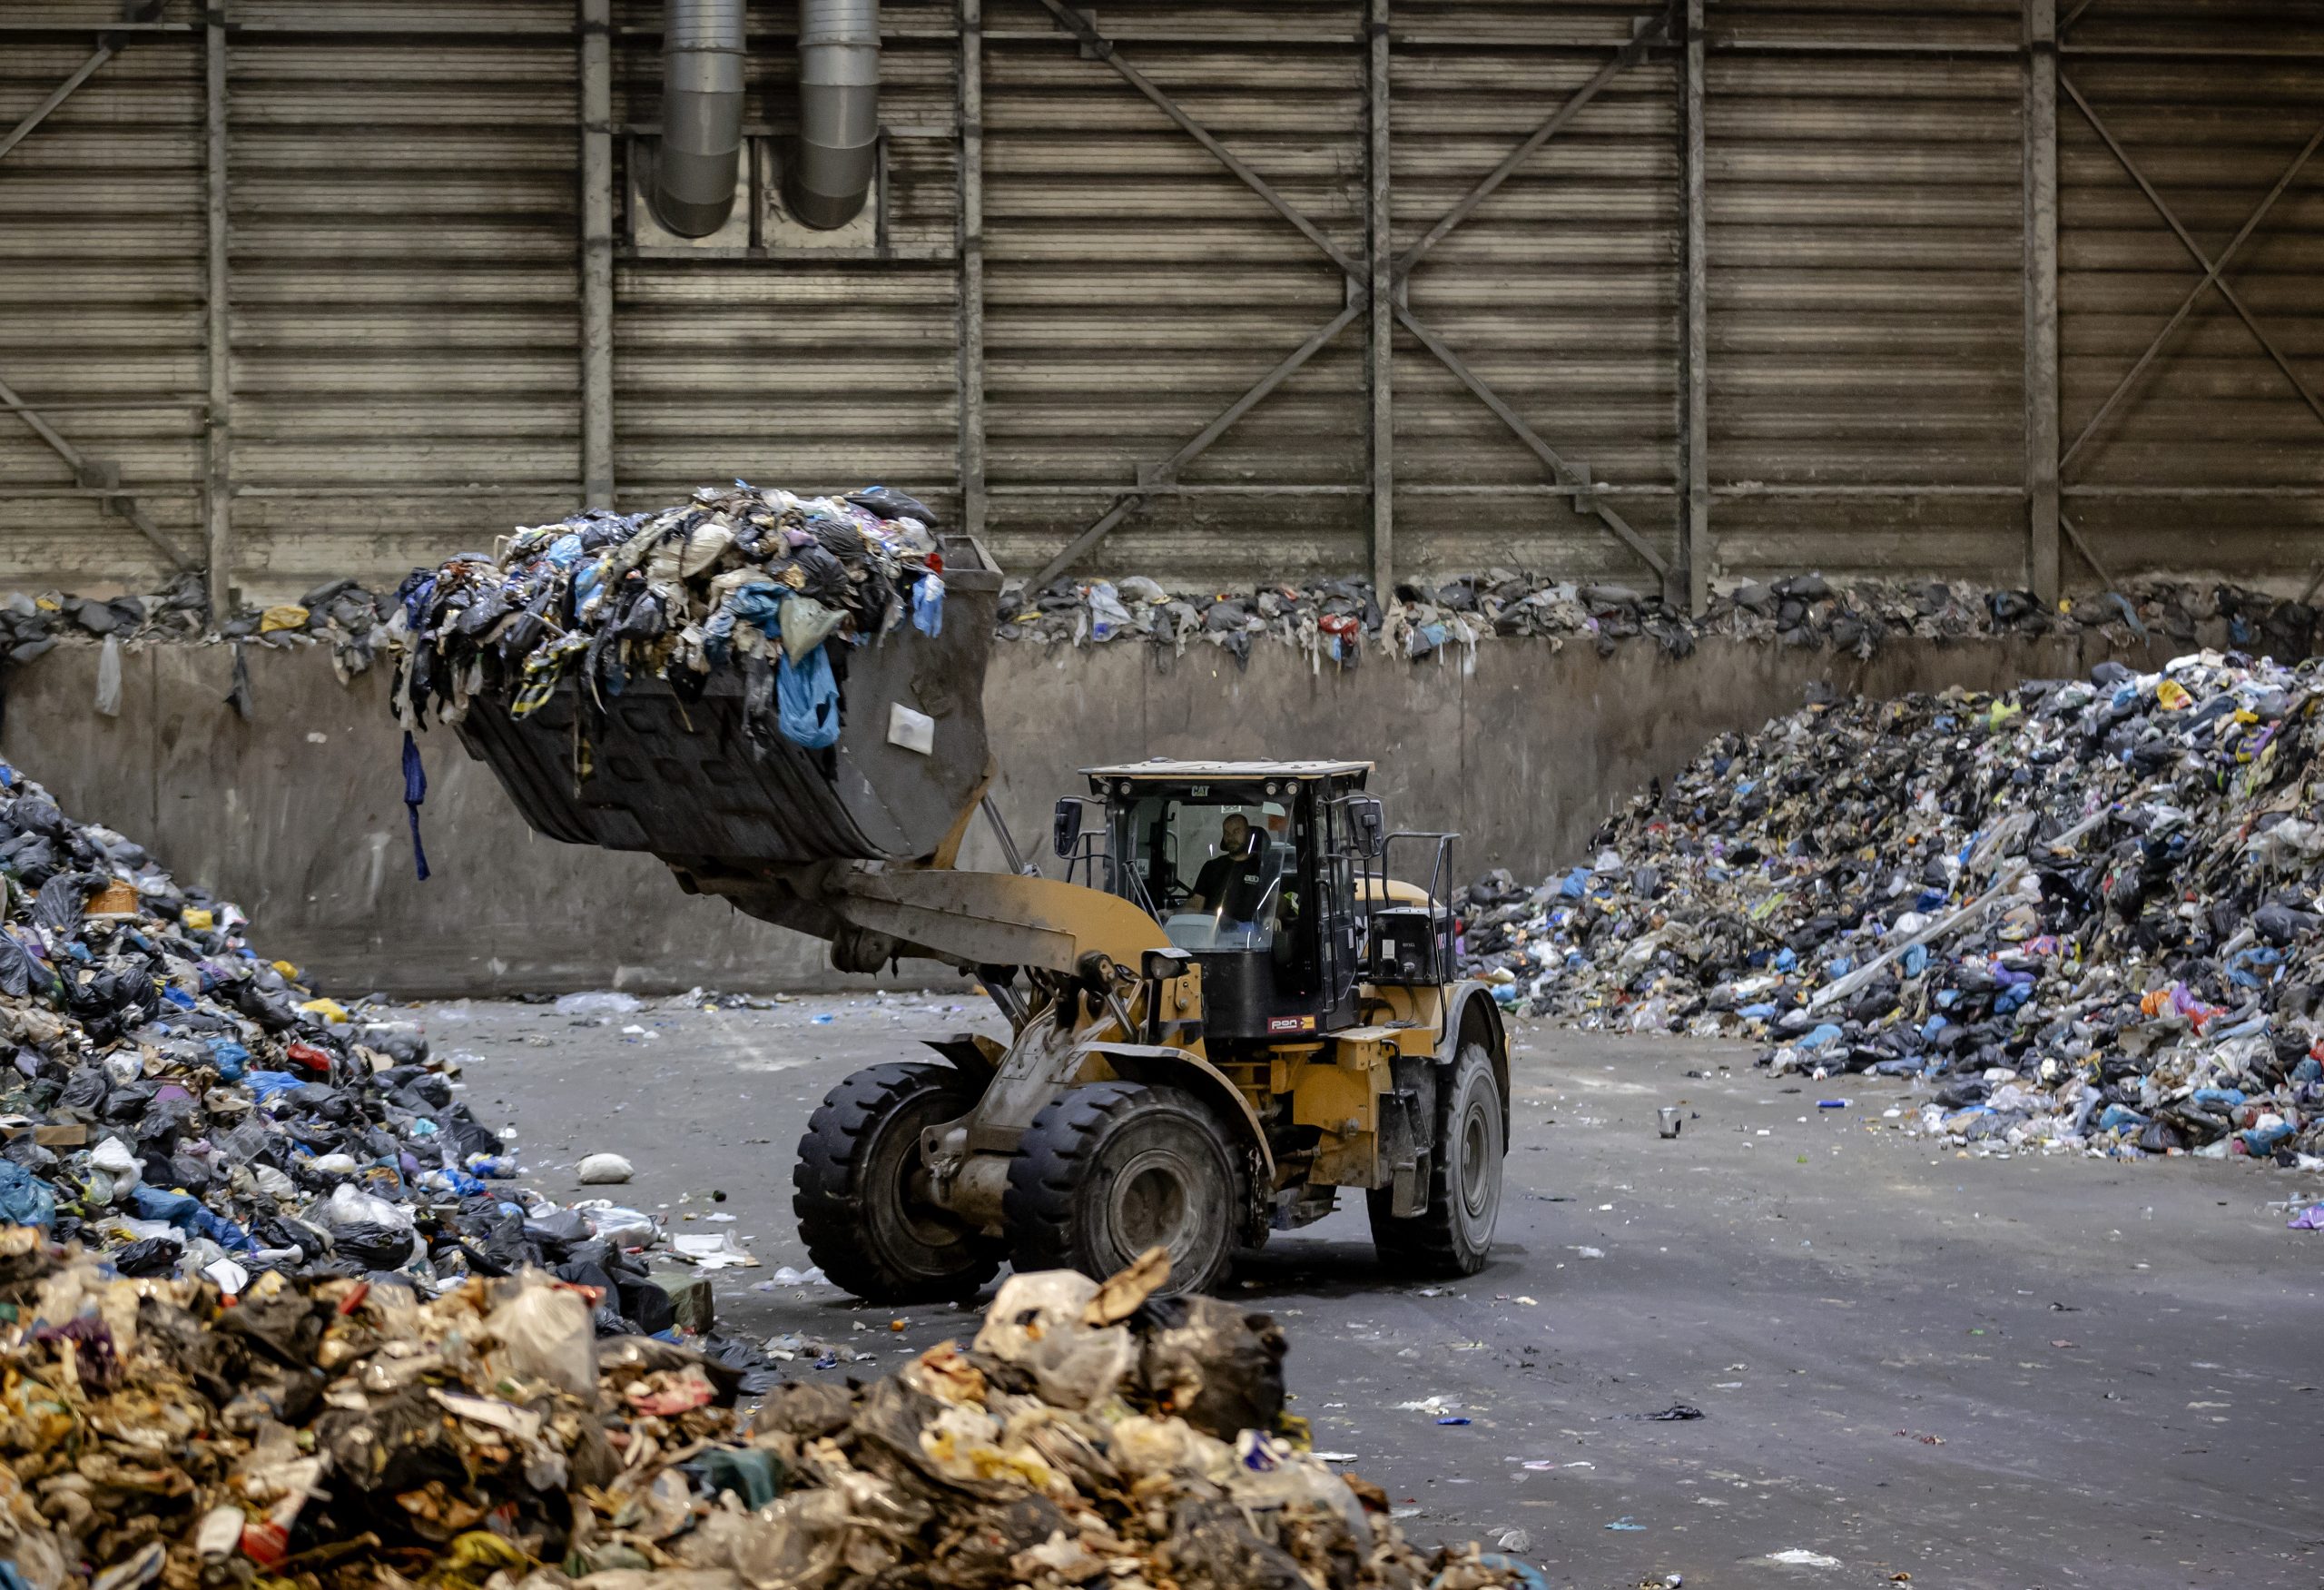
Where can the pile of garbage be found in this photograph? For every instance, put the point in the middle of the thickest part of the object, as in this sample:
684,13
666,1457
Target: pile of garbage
1334,620
182,1108
339,614
338,1432
1327,620
760,581
2086,914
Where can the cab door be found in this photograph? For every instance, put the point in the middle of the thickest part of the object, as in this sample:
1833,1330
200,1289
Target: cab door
1339,932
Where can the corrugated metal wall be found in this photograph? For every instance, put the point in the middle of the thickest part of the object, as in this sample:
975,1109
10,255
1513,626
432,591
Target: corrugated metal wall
405,293
2214,446
100,298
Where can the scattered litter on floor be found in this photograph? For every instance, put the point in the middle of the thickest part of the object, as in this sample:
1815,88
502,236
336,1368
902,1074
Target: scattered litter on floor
604,1169
2084,914
602,1002
1798,1557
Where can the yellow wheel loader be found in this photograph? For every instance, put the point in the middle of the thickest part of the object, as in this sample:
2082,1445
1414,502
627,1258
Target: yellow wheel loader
1223,1012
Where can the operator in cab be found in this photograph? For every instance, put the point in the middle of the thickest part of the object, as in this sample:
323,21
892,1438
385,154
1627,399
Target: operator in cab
1227,882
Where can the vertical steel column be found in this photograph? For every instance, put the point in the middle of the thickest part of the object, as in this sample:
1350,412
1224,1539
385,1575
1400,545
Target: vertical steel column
971,356
218,428
1694,445
1380,352
2041,299
596,136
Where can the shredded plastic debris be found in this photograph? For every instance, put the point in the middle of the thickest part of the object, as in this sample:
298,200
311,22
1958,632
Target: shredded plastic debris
337,1432
2085,913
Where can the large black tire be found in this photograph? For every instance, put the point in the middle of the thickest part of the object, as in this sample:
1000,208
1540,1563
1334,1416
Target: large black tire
1454,1235
1109,1169
857,1212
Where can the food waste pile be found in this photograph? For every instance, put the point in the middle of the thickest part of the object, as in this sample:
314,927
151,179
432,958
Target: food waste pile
2084,913
337,1431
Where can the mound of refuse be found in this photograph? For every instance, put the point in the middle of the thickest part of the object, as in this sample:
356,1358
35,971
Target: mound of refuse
333,1432
762,581
2087,914
182,1108
1334,620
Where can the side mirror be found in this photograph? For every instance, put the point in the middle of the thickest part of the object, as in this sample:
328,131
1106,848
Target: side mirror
1368,825
1065,830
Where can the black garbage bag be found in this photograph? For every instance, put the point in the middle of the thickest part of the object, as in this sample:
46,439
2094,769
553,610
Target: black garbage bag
85,1091
373,1245
892,504
151,1255
21,972
468,1136
58,907
1214,1366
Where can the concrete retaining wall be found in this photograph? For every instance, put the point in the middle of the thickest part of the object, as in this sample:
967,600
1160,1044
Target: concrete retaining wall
298,815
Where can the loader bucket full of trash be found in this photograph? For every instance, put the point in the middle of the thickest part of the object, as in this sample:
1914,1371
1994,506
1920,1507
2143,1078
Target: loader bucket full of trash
748,676
342,1432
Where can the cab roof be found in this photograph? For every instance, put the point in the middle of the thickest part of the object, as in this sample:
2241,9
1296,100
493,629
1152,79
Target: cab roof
1164,767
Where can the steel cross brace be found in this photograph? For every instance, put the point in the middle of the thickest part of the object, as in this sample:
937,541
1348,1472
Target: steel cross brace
1358,289
85,472
88,473
2211,269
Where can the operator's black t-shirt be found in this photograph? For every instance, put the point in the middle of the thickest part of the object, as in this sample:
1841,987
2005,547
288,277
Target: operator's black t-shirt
1229,884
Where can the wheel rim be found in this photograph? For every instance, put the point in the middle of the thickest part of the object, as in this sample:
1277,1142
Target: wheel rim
1476,1159
892,1207
1476,1175
1164,1183
1150,1204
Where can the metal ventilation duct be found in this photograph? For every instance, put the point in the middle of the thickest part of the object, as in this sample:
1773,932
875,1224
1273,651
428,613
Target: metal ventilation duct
839,110
693,191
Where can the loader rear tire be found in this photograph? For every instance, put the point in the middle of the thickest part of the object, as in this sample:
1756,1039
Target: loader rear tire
1109,1169
859,1212
1454,1235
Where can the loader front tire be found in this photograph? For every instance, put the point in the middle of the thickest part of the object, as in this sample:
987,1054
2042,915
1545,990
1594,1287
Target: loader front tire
1454,1235
862,1213
1109,1169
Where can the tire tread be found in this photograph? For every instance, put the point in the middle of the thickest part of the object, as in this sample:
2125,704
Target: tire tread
824,1197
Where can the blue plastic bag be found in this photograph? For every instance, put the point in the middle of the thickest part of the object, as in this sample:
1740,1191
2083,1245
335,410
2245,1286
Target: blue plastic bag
25,1198
927,605
230,1057
806,700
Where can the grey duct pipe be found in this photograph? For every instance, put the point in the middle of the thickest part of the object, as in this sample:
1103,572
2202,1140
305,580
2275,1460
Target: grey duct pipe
693,191
839,110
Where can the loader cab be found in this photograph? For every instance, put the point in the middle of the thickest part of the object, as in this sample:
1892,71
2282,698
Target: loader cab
1250,867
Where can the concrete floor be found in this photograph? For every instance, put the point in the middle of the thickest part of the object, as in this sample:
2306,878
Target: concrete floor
2032,1372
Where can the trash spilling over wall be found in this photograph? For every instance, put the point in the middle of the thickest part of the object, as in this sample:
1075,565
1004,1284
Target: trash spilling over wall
760,580
1333,620
2084,913
1329,620
339,1431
